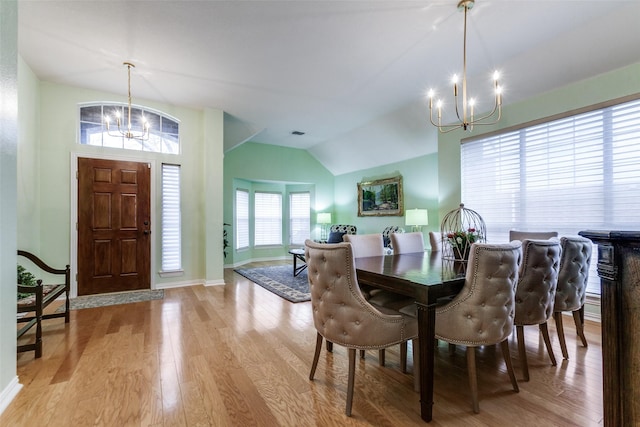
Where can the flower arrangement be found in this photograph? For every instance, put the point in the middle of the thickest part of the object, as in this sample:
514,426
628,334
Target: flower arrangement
461,241
460,228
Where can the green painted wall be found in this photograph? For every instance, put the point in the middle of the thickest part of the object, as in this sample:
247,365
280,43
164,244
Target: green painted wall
28,203
420,185
254,166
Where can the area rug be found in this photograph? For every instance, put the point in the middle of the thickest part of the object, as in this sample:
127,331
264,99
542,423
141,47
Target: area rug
102,300
279,280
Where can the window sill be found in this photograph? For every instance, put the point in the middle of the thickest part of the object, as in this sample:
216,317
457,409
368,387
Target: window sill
173,273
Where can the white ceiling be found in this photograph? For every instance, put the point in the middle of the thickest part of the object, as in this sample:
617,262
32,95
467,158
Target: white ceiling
327,68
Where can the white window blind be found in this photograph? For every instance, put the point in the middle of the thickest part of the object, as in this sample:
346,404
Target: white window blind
268,218
299,217
572,174
242,219
171,234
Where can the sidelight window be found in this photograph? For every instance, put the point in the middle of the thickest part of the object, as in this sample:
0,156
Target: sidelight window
171,223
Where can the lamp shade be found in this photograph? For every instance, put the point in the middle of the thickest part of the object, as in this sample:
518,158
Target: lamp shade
417,217
324,218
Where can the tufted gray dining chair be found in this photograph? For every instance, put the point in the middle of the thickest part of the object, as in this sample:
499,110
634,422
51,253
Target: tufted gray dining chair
536,292
402,243
482,313
340,312
572,286
365,245
435,240
407,242
538,235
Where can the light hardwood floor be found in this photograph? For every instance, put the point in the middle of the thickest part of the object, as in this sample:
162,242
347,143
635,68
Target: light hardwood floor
238,355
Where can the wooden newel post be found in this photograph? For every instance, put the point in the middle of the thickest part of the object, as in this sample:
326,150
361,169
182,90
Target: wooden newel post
619,272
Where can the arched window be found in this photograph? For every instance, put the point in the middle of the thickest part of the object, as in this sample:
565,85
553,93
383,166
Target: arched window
164,130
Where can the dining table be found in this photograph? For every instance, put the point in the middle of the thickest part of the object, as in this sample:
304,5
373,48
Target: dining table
429,280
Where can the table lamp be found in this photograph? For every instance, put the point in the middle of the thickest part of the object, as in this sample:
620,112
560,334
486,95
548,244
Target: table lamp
417,218
324,218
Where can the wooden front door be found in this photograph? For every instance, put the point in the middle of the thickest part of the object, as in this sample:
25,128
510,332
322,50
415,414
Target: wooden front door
114,226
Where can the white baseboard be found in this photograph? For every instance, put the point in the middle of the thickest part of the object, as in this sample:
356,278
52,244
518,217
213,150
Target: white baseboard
170,285
218,282
241,263
9,393
592,308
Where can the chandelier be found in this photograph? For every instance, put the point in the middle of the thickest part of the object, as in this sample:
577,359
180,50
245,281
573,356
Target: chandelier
125,130
467,119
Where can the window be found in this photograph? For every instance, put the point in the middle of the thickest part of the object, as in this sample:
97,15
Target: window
575,173
164,131
299,217
268,219
171,235
242,219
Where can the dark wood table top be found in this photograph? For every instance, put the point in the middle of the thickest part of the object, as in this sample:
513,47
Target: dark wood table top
422,275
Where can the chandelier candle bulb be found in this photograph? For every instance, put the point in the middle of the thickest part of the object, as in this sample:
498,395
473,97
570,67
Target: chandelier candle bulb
471,104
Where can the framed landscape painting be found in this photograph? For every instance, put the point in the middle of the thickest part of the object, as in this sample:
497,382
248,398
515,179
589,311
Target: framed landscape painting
381,198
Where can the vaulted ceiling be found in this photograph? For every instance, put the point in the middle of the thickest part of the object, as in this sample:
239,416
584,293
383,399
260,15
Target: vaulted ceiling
347,73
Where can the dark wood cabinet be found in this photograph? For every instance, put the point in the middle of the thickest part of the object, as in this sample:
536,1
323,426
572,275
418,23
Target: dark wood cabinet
619,272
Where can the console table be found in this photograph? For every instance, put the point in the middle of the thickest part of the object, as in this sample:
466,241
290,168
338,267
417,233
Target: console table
619,271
